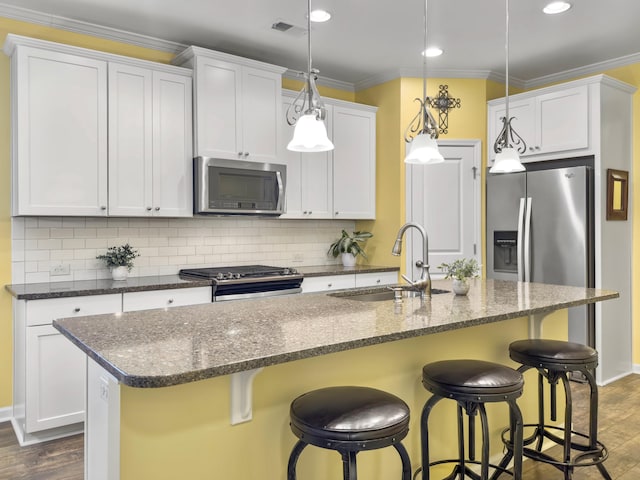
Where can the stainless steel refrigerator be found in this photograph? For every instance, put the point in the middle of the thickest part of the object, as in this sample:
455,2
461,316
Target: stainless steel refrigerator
540,229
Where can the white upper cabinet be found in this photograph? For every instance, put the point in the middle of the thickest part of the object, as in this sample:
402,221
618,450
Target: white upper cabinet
59,133
237,106
354,163
555,121
340,183
96,134
150,159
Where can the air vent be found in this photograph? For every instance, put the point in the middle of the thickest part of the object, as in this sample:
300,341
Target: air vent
281,26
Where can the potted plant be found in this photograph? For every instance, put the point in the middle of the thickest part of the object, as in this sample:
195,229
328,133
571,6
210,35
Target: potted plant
119,260
461,271
348,247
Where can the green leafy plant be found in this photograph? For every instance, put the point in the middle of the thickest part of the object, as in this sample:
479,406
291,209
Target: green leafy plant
349,244
121,256
461,269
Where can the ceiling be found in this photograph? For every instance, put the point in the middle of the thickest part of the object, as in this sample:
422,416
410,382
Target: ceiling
368,40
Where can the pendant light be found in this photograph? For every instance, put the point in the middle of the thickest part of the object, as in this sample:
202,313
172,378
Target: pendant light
307,112
423,148
507,157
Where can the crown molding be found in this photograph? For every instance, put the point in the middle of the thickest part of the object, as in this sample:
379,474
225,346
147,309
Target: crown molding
584,71
76,26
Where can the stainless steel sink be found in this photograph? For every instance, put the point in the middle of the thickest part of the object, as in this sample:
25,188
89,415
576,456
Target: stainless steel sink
381,295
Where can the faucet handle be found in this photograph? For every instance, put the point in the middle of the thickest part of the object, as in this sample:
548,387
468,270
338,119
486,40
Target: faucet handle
408,280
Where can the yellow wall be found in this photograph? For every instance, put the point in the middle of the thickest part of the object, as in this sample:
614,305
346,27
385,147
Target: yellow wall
183,431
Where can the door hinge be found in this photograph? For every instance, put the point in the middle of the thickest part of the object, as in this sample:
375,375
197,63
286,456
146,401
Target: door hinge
474,249
474,169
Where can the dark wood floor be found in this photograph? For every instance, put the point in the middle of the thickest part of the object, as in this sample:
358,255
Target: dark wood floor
619,431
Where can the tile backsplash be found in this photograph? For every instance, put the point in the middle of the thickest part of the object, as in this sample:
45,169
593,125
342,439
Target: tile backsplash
53,249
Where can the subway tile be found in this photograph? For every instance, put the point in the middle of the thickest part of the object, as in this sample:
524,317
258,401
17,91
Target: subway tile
59,255
38,277
117,222
167,251
36,255
37,233
61,233
186,250
177,242
100,243
73,222
108,232
51,244
50,222
85,233
73,243
158,242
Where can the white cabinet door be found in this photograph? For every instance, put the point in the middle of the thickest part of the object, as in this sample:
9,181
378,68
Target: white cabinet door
130,140
177,297
354,163
150,164
172,146
60,134
55,380
562,120
261,114
53,366
238,111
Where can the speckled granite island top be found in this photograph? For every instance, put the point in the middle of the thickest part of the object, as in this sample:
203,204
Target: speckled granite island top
157,348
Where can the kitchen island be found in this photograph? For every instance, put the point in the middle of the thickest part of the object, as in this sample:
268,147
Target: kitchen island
159,381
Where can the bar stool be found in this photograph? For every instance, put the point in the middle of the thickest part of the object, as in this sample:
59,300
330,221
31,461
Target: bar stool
472,383
554,359
349,420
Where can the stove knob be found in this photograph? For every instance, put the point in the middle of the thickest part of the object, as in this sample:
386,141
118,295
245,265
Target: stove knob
236,275
287,271
229,275
220,276
293,271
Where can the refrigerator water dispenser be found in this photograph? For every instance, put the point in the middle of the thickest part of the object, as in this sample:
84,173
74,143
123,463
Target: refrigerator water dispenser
505,246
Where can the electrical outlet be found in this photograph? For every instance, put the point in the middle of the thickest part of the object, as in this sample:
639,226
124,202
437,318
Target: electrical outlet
60,269
104,389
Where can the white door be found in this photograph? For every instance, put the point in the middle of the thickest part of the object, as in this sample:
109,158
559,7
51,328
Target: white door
445,199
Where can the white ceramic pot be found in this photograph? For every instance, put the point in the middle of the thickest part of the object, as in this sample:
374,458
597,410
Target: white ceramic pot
460,287
348,259
119,273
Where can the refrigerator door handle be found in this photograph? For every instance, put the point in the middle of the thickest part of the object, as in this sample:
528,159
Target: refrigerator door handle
527,240
520,241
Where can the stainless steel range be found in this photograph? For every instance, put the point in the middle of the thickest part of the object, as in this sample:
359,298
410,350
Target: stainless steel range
247,281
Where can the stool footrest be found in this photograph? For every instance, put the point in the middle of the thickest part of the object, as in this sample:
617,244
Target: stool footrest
457,469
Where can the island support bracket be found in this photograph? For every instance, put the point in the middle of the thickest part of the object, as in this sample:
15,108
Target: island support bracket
241,395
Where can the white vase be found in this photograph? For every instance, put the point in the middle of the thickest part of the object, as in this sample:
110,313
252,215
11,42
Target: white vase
348,259
460,287
119,273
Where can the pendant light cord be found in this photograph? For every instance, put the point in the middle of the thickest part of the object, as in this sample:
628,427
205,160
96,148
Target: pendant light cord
424,56
506,48
309,73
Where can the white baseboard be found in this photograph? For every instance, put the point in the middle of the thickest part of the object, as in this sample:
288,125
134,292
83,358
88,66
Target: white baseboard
636,368
5,414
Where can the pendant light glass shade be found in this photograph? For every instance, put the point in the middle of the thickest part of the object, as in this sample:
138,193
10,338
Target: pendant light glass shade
507,157
310,135
507,161
423,150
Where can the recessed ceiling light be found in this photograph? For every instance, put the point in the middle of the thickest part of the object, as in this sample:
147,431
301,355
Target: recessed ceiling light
432,52
320,16
556,7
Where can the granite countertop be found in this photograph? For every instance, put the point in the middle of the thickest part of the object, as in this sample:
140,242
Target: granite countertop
324,270
39,291
157,348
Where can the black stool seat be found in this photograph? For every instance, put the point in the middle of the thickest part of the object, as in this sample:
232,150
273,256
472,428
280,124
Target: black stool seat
450,378
349,420
535,352
472,383
348,414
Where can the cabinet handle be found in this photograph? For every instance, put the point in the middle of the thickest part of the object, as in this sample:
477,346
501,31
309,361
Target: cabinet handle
148,209
537,147
170,301
304,213
378,281
76,310
246,154
240,154
102,207
329,285
157,209
337,213
310,212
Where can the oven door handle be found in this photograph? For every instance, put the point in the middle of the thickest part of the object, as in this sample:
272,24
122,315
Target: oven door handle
280,204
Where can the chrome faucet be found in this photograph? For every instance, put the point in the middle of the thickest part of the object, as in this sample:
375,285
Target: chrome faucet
424,284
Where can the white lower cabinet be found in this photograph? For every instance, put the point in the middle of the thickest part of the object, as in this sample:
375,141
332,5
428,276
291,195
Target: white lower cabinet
49,371
351,280
177,297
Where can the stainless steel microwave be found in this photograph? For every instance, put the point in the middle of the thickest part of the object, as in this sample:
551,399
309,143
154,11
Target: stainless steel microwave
234,187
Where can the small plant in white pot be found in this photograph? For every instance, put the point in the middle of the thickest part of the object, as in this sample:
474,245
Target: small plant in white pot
461,271
348,247
119,260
